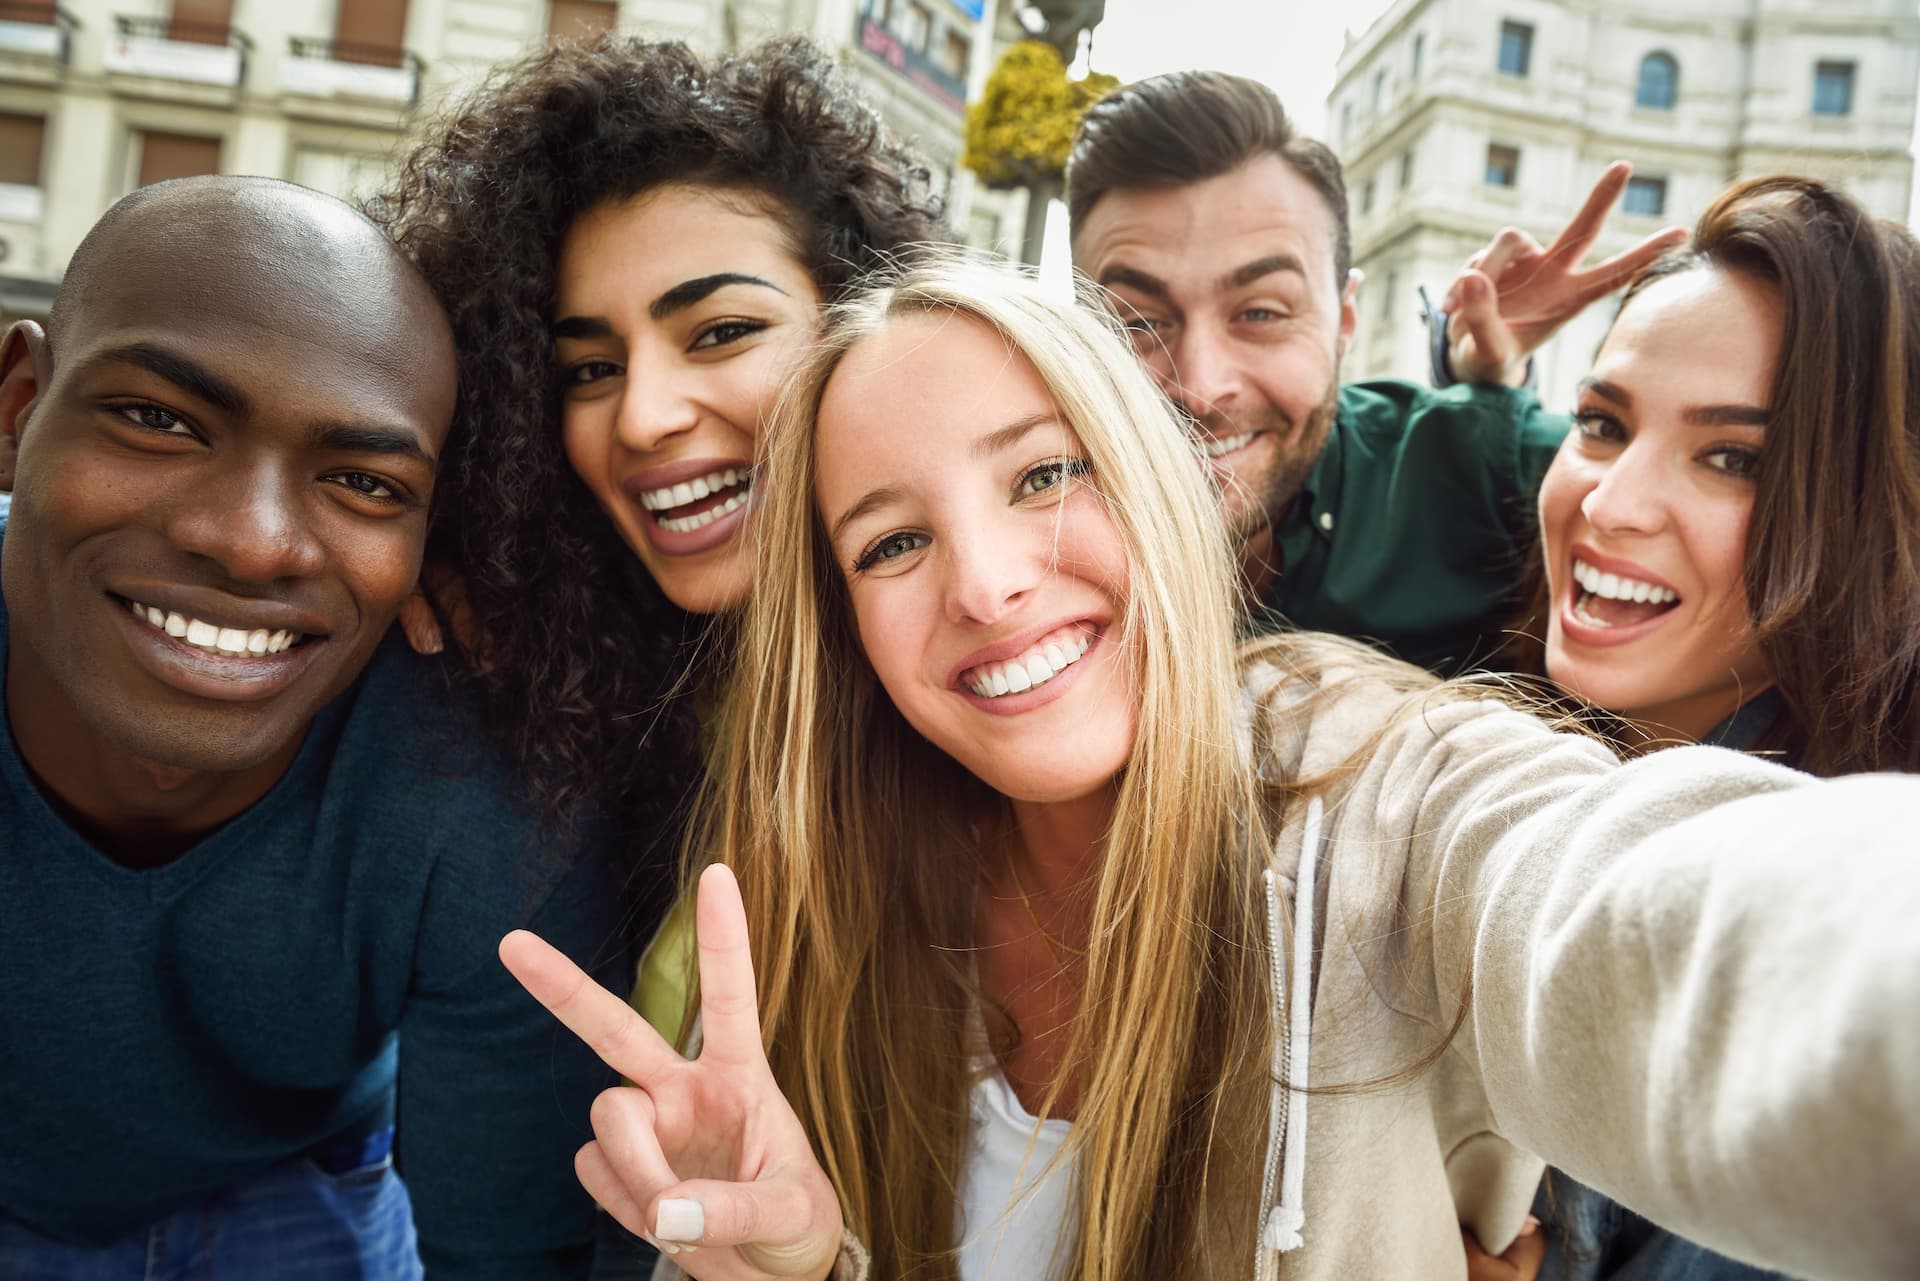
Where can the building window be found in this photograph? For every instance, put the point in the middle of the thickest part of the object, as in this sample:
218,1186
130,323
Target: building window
1391,296
956,51
1346,123
580,19
200,21
1659,82
1366,197
175,155
913,23
21,140
1516,48
1419,48
1379,89
1645,196
1833,89
1503,165
1406,168
370,31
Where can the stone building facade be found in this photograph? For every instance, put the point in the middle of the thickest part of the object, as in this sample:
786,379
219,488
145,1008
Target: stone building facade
100,96
1455,118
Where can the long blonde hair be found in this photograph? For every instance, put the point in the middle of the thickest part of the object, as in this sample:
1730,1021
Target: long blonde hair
858,845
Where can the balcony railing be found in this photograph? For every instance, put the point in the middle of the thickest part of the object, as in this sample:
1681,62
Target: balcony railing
174,49
37,30
321,68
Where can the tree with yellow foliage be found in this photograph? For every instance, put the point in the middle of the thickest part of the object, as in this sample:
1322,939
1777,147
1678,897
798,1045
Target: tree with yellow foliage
1019,131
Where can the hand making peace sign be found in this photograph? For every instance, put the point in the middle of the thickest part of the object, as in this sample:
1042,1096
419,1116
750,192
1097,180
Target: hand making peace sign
696,1153
1513,295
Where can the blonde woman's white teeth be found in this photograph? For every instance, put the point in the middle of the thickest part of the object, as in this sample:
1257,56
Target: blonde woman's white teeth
729,476
1039,670
1055,657
1017,678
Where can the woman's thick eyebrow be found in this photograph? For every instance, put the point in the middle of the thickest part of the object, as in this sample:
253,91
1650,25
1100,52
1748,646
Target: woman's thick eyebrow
689,292
1694,416
872,501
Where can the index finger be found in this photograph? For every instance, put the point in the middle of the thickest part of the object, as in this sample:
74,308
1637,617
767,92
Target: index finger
729,1002
1579,234
611,1028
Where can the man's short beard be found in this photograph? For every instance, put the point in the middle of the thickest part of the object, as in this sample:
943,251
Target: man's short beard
1299,451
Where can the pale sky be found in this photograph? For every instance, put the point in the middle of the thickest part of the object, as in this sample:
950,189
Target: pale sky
1291,44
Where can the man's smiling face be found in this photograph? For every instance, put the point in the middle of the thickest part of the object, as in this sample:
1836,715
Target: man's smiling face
1229,287
226,452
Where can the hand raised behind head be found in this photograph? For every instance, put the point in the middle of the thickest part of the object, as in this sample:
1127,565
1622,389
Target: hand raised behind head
696,1153
1514,295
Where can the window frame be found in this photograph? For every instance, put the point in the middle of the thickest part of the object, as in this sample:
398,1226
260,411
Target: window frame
1828,71
1657,58
1522,34
1512,169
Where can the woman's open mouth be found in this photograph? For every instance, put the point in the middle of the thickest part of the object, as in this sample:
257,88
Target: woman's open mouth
1604,600
694,504
1034,666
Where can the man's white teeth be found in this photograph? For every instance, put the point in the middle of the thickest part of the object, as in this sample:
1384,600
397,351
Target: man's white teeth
1215,446
687,524
218,640
1614,587
692,491
1035,667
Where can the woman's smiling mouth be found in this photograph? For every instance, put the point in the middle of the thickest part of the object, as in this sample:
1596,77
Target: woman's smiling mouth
1610,602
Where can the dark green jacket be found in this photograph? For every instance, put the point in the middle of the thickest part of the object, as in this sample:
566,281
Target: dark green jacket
1414,526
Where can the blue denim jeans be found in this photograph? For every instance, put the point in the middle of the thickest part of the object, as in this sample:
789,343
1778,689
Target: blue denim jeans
1591,1237
340,1215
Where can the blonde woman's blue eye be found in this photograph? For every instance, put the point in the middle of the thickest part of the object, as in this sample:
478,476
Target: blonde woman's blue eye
1050,475
892,547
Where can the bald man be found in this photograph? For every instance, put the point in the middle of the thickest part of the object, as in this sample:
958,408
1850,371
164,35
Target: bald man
252,866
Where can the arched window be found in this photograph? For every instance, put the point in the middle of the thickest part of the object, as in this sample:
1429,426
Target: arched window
1659,82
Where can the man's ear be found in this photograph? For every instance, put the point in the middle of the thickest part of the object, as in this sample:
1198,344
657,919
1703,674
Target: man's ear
1349,312
23,354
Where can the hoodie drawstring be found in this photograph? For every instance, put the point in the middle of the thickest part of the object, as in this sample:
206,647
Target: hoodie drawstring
1287,1105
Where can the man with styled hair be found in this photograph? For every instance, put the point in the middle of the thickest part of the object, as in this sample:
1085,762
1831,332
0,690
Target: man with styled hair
1381,510
254,860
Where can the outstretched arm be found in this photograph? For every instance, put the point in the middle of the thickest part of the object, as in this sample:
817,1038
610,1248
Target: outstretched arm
1514,295
1693,981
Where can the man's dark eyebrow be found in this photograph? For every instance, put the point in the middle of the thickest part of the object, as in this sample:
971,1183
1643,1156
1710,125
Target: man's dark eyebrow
1241,277
350,438
1135,279
1606,391
582,327
689,292
183,372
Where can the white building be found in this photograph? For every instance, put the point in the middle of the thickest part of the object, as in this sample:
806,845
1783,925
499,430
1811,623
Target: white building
100,96
1455,118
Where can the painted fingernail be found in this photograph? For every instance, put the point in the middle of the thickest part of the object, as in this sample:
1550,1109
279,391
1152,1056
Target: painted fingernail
678,1219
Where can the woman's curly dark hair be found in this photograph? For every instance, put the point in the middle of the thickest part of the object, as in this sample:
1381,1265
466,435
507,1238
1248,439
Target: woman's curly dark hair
586,665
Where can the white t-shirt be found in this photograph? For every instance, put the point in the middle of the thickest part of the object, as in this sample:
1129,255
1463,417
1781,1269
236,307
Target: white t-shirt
1012,1209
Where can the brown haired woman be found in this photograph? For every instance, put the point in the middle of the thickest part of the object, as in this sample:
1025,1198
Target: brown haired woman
1731,538
1078,938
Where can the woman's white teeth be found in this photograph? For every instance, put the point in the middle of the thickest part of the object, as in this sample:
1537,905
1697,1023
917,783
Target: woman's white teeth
218,640
1614,587
1036,667
1216,446
692,491
687,524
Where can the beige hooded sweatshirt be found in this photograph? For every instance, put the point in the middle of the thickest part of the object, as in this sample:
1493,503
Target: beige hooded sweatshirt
1692,982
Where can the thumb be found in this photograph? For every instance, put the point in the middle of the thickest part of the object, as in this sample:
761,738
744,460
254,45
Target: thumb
1493,346
421,627
770,1221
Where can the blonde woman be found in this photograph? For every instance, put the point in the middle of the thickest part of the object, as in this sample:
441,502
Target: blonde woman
1089,949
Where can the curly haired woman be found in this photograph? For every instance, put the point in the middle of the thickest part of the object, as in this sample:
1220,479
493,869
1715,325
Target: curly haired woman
632,243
